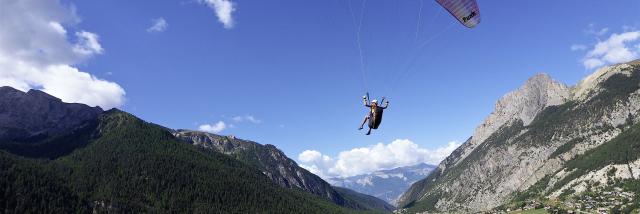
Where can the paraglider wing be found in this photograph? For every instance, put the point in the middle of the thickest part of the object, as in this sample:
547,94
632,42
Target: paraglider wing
466,11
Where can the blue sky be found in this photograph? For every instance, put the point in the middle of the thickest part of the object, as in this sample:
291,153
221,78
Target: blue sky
294,65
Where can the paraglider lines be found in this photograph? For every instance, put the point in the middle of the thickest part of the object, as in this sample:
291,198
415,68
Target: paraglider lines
411,61
418,22
358,30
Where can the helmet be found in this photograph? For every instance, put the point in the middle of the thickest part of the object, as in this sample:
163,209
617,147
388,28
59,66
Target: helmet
374,101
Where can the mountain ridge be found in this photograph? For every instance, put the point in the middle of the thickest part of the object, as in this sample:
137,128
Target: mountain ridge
385,184
38,125
26,116
483,175
115,162
274,164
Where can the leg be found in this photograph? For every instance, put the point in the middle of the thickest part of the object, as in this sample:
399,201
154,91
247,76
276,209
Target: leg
369,132
364,122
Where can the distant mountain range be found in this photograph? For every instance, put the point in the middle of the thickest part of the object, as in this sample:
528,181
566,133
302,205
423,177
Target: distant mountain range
385,184
58,157
546,145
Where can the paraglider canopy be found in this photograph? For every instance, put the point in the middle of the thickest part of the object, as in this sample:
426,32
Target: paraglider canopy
466,11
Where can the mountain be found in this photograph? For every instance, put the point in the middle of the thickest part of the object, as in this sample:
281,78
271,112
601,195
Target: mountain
122,164
370,202
544,143
36,124
279,168
385,184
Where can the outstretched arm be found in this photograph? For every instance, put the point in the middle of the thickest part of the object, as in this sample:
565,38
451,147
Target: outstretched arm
366,103
386,105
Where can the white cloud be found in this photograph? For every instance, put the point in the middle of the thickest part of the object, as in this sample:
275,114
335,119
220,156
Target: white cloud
246,118
62,81
223,9
593,30
316,163
37,53
158,25
366,181
617,48
87,44
601,32
628,28
213,128
578,47
590,63
309,155
401,152
58,27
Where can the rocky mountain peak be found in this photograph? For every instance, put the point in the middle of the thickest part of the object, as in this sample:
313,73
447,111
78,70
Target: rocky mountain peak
7,91
589,85
538,92
37,94
35,114
511,153
634,62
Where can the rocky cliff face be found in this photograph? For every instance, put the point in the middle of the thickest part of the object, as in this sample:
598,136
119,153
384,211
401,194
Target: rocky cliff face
274,164
539,92
531,134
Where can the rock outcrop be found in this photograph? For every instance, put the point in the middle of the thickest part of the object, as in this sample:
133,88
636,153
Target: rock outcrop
531,134
539,92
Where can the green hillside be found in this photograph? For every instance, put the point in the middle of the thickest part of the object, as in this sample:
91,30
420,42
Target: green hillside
371,203
623,149
134,166
280,169
32,186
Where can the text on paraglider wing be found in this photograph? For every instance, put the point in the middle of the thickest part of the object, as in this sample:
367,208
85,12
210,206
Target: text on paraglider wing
467,18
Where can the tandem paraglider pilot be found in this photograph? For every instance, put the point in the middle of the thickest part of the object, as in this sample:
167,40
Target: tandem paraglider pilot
374,117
